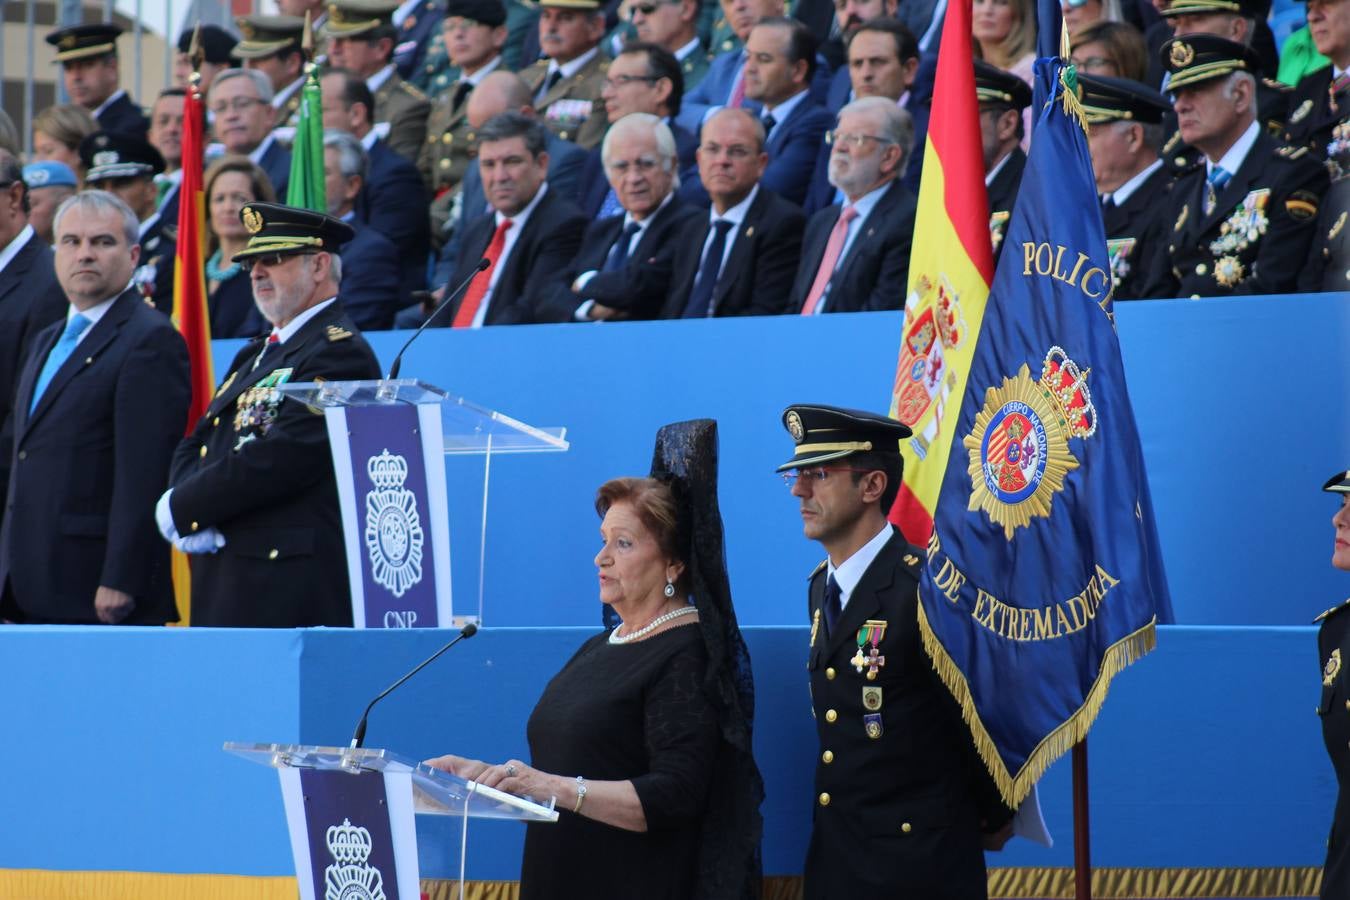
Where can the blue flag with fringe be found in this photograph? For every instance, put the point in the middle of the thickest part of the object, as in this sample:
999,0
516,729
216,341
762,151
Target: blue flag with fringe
1044,577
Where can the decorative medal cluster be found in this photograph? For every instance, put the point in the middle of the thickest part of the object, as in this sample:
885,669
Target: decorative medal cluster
870,658
256,410
1238,232
1338,152
1118,251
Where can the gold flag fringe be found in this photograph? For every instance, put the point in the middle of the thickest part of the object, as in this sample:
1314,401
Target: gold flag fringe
1014,788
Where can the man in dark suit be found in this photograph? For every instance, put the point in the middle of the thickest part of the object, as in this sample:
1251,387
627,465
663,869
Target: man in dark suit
371,279
528,238
644,78
30,297
1242,221
855,256
1002,97
392,192
102,401
252,493
241,102
779,68
903,807
623,268
1124,132
739,261
90,72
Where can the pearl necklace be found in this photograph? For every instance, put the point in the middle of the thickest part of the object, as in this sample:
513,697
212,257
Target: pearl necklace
650,626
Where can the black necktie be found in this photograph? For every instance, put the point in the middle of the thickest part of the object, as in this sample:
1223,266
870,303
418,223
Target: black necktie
700,298
553,78
833,608
769,122
618,254
461,94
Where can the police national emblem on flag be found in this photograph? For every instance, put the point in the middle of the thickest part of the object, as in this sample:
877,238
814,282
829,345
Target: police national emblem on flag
1044,577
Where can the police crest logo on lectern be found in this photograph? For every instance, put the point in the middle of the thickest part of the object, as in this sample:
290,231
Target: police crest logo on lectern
351,877
394,535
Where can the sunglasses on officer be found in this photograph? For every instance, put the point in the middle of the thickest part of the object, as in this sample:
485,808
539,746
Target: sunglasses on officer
269,260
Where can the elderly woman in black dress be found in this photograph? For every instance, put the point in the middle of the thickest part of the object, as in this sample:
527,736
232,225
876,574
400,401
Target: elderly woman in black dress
644,736
1333,645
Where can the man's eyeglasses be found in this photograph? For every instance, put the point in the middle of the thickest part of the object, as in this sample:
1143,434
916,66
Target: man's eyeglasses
736,152
816,475
238,104
853,140
644,164
618,81
268,260
645,8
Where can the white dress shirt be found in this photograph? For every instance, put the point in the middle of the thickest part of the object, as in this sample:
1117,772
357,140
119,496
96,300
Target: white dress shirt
12,249
1126,190
851,570
735,215
519,221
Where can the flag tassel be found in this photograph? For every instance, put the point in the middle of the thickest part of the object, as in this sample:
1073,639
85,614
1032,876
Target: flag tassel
1015,787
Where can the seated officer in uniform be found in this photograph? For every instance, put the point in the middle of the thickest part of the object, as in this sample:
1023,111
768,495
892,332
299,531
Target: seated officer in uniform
567,85
1243,220
1321,100
361,37
903,806
89,70
1002,97
1328,265
1333,643
673,25
126,166
1124,131
272,45
252,496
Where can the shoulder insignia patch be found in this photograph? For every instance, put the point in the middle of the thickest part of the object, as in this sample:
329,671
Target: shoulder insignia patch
1301,113
820,568
1292,152
1172,142
1336,608
412,90
1336,229
338,333
1301,205
1278,86
1181,219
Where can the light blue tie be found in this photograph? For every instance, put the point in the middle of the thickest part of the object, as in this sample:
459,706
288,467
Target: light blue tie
1217,179
60,353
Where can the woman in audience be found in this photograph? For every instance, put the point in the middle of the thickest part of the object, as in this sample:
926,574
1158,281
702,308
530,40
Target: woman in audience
231,182
1333,648
57,132
1005,36
1115,49
1080,14
643,737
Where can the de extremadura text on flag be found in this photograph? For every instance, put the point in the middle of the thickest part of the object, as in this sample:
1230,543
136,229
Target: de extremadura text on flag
1044,577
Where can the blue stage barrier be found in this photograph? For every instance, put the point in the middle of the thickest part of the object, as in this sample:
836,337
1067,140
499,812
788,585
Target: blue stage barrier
1207,754
1240,402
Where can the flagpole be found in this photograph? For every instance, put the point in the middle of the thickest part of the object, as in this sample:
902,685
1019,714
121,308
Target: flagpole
1082,850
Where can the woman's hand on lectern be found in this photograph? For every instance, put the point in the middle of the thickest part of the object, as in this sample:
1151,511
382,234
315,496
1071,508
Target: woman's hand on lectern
468,769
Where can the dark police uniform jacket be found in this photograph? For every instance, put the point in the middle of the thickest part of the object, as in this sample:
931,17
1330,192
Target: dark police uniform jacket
1002,194
1333,647
1328,264
1311,115
259,470
900,794
123,116
1136,231
1258,235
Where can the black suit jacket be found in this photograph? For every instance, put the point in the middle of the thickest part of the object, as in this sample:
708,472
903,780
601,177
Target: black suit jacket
1201,264
276,162
394,189
89,463
1334,711
1139,227
269,488
125,117
30,300
538,261
371,288
639,288
1002,193
757,276
905,808
875,272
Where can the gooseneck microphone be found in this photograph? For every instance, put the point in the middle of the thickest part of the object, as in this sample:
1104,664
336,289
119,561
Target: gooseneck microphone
483,264
359,736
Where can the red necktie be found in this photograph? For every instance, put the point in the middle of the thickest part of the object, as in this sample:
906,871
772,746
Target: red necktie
479,286
738,89
833,247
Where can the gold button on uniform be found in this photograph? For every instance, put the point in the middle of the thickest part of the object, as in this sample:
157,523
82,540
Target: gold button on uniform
272,554
1347,706
195,526
906,828
23,454
831,715
563,135
203,452
215,423
447,138
827,757
1200,269
445,164
824,799
829,674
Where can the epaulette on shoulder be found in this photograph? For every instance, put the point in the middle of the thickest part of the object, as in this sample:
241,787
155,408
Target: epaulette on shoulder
337,333
413,90
1292,152
1278,86
818,569
1334,609
913,558
170,233
1172,142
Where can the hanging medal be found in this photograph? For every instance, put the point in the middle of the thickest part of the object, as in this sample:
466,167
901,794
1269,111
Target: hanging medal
869,655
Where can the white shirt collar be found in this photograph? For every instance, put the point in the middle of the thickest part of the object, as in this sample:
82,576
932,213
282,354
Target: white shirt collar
294,325
643,223
1233,159
109,102
279,99
687,49
736,214
851,570
868,201
781,112
148,224
1122,193
93,313
484,71
376,81
261,150
569,69
998,167
404,10
520,218
369,140
13,247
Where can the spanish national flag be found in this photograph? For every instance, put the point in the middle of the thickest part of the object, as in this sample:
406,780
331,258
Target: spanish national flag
190,313
951,267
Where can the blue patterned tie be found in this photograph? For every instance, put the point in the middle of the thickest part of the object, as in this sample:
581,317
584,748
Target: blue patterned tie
610,207
618,254
700,298
1218,177
65,346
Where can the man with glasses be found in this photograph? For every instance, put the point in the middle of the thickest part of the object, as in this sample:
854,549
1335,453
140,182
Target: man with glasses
902,806
1002,96
739,259
240,103
252,494
30,297
101,403
673,25
272,45
623,267
855,256
91,74
1321,101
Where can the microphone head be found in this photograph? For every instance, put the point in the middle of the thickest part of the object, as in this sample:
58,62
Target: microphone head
483,264
469,630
